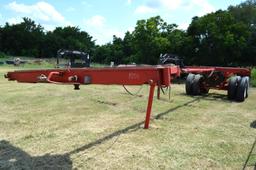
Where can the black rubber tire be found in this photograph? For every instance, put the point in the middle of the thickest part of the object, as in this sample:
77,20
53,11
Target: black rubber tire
189,82
196,85
241,89
232,87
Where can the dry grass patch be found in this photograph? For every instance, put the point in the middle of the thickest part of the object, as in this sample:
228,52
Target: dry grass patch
100,127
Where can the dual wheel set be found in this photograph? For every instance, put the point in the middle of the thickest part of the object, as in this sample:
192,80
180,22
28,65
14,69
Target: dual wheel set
194,85
237,86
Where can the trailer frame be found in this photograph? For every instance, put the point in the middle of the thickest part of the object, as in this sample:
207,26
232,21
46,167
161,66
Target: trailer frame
160,76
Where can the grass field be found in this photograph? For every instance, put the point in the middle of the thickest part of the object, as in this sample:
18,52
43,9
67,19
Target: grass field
45,126
253,77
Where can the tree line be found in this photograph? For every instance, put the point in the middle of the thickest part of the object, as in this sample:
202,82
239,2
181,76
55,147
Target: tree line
225,37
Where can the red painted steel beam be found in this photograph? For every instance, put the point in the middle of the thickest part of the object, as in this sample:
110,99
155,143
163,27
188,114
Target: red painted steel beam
152,75
150,101
227,71
121,76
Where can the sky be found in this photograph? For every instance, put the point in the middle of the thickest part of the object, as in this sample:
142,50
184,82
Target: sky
104,18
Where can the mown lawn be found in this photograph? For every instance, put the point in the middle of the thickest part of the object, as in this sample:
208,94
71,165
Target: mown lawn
44,126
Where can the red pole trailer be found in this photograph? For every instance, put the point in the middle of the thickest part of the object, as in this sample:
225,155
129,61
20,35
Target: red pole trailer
199,79
153,75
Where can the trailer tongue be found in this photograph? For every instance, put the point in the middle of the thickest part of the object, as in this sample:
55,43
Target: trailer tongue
199,79
153,75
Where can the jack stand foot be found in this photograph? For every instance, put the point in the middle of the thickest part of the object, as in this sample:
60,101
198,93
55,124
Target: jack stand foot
76,87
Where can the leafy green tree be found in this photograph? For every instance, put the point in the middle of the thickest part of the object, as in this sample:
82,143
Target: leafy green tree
128,48
149,40
70,38
101,53
22,39
111,52
217,39
29,39
246,13
1,41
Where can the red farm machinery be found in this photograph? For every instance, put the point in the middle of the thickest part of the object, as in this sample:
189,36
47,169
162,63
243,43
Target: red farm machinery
199,79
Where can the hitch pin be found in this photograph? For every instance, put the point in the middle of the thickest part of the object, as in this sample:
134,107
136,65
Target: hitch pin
42,78
73,78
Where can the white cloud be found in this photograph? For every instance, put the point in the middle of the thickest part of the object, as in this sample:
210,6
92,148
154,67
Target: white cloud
70,9
201,6
41,10
116,32
85,3
183,26
14,20
152,6
96,21
129,2
1,17
49,27
204,6
143,9
97,27
171,4
130,29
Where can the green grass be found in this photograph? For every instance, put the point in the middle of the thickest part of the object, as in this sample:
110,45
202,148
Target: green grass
45,126
45,62
253,77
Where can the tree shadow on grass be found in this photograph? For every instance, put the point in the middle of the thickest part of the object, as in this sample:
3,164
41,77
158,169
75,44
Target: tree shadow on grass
128,129
12,157
253,124
251,163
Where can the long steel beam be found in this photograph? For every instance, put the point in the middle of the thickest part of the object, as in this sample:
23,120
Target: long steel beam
153,75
